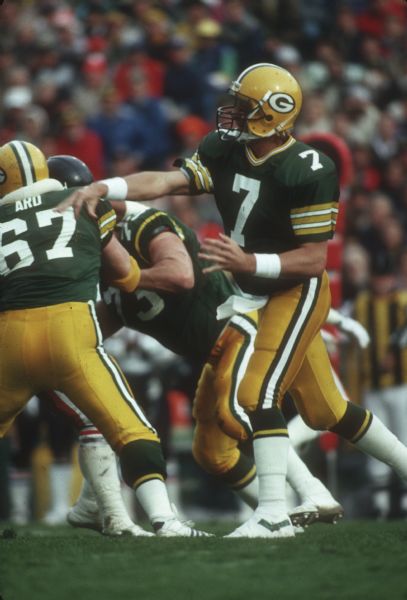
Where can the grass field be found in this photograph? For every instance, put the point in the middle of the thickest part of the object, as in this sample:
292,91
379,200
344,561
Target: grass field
352,560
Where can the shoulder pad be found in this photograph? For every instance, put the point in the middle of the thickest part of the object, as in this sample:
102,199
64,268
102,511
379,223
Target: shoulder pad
310,158
213,147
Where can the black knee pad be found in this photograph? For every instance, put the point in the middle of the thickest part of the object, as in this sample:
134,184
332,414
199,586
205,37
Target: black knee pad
241,474
142,459
354,423
268,419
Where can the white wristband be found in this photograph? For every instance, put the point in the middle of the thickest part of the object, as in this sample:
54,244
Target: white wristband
116,188
268,265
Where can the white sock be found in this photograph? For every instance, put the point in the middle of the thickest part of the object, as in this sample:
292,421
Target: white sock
250,493
87,496
99,467
298,476
129,501
300,433
270,457
154,500
20,497
302,480
380,442
60,482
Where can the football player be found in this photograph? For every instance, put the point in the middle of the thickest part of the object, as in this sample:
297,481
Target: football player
50,336
278,199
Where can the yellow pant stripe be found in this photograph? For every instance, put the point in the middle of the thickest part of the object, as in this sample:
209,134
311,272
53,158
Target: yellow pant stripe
145,478
270,432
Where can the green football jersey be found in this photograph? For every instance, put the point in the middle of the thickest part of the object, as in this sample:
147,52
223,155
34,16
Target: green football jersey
183,322
48,257
268,205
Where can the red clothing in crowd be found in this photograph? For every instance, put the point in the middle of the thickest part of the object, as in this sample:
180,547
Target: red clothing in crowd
87,147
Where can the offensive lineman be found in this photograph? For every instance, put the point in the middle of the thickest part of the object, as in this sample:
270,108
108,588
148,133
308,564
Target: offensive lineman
50,337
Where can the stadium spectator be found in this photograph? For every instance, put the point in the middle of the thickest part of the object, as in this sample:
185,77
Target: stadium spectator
215,61
119,128
314,117
152,112
15,100
183,84
135,57
86,94
189,131
76,139
242,30
34,125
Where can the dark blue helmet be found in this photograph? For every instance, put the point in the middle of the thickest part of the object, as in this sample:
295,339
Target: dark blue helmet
69,170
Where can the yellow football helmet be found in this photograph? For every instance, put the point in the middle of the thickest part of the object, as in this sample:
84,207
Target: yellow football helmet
268,100
21,164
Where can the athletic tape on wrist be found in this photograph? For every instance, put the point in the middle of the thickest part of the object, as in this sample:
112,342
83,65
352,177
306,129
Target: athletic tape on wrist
268,265
116,188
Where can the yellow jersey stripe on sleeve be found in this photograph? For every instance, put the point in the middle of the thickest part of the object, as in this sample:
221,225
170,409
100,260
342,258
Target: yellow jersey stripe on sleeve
317,219
318,215
313,208
313,219
107,223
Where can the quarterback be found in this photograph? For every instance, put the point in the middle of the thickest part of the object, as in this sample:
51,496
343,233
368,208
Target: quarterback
50,337
278,199
176,305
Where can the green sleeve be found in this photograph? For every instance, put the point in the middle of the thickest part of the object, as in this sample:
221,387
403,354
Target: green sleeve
315,209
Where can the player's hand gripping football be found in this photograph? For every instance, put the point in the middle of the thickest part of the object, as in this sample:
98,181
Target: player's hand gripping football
227,255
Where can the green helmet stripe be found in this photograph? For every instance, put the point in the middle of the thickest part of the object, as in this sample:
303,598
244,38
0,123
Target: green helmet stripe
24,162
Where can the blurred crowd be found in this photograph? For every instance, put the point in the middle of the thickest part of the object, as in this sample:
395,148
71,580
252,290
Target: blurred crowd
129,85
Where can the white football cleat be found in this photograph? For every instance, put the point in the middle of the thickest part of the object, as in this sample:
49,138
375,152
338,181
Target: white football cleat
174,527
316,512
116,526
260,527
86,516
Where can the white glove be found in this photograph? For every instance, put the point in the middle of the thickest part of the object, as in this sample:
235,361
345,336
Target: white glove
350,326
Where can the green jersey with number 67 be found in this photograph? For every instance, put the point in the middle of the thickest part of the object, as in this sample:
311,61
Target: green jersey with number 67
268,205
47,257
184,322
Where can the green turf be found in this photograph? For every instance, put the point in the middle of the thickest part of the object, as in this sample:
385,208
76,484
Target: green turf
352,560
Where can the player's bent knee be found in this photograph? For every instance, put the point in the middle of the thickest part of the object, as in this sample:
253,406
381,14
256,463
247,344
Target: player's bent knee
319,422
323,417
141,460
